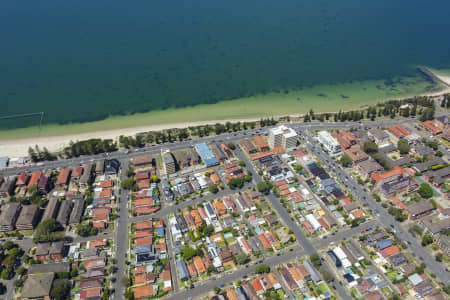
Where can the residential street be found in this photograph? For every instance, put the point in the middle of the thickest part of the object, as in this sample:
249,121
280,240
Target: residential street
305,246
384,217
121,238
303,241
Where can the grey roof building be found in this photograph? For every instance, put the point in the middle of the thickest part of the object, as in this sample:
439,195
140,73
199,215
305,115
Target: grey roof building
312,272
28,217
419,209
49,268
8,217
51,211
77,212
64,212
112,166
38,286
100,167
85,179
183,273
218,152
8,186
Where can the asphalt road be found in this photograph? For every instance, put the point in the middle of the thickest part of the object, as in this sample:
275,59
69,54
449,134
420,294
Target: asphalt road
272,261
173,267
383,216
228,137
174,208
121,237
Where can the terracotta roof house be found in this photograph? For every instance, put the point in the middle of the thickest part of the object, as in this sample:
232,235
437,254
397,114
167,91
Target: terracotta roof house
247,146
143,291
144,225
356,154
91,293
199,266
77,172
431,127
386,252
257,287
95,263
345,139
398,131
34,180
22,180
63,178
143,161
260,144
379,178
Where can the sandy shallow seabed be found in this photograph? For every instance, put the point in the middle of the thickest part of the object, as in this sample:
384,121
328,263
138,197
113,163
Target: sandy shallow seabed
15,146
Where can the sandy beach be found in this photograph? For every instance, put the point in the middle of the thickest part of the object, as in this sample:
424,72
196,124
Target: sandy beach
15,146
19,147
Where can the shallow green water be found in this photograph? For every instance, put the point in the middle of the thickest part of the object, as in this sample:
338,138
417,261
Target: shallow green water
82,61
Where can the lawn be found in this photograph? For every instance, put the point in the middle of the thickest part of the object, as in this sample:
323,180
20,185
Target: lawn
392,275
322,287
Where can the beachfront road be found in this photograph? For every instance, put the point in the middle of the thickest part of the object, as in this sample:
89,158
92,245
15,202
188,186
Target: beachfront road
229,137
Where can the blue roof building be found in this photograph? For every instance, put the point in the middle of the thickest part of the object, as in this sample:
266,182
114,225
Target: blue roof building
183,272
383,244
160,231
206,154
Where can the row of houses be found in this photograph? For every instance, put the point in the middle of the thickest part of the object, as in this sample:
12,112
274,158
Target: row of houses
25,217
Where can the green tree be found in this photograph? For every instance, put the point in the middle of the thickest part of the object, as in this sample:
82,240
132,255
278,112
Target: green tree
315,260
370,147
346,160
60,289
242,259
6,274
403,147
45,231
86,229
189,253
231,146
427,239
129,184
263,187
439,257
213,189
8,245
261,269
425,190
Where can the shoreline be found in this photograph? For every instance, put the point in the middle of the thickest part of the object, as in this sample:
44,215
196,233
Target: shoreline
15,143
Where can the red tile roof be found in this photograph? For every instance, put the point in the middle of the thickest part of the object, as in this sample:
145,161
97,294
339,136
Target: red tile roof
389,251
143,291
144,225
381,176
88,293
144,241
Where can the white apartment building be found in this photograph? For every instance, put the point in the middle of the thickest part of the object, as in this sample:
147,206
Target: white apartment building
329,142
283,136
